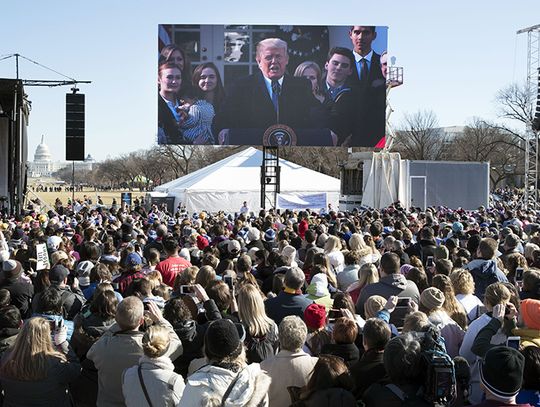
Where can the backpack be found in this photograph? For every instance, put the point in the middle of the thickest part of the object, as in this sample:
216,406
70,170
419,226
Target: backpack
260,347
439,373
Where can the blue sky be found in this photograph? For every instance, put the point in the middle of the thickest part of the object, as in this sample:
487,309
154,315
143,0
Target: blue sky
456,55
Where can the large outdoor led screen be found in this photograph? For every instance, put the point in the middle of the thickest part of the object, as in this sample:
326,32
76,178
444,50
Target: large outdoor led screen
272,85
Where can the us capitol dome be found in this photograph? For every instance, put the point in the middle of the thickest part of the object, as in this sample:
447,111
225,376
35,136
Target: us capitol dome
44,166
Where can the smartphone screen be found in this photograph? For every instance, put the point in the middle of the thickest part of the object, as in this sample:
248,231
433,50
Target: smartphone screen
229,281
334,314
519,274
403,302
513,342
429,261
186,289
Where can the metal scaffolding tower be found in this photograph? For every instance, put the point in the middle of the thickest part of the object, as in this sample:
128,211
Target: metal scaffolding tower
531,143
394,79
270,179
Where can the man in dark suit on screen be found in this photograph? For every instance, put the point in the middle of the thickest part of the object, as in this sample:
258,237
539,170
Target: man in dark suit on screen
366,113
269,97
368,62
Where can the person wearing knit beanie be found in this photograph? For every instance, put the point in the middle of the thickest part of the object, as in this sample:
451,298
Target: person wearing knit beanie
202,242
222,339
315,319
405,269
530,316
530,312
432,298
501,374
373,305
315,316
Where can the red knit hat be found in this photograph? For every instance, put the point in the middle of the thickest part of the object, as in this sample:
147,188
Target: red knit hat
315,316
530,311
202,242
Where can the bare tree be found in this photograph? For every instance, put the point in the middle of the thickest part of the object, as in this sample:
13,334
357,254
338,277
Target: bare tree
178,157
515,103
420,137
484,141
66,174
321,159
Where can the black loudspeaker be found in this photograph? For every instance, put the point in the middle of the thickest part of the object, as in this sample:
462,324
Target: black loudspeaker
75,127
536,120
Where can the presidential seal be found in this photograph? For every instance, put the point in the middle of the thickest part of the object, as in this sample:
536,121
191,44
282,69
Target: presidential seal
279,135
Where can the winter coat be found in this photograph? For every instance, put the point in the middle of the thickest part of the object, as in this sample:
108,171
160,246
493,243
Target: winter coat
394,284
259,348
287,369
422,249
72,301
286,304
332,397
191,335
51,391
368,370
472,305
88,329
346,351
116,351
207,386
450,331
7,338
21,293
484,273
164,387
379,394
474,361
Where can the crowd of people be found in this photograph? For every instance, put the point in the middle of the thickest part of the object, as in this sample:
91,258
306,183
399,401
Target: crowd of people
342,103
135,306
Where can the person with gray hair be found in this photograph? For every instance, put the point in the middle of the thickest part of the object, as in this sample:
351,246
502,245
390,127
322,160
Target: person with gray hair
290,301
269,96
122,346
291,366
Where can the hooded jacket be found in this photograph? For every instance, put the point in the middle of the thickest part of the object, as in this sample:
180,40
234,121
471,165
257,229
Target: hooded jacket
317,291
164,387
393,284
484,273
207,386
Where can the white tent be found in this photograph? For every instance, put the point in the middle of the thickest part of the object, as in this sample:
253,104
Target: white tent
226,184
